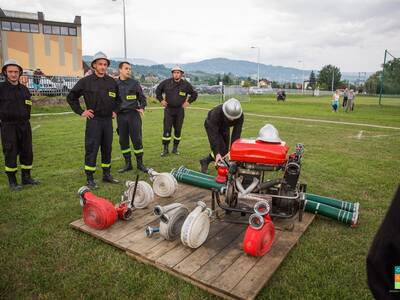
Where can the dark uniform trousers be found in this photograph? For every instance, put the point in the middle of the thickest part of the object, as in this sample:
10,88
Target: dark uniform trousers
130,126
98,134
173,117
16,139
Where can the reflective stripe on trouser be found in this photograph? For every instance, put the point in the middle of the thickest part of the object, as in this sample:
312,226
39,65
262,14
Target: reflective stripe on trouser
98,134
16,140
173,118
130,127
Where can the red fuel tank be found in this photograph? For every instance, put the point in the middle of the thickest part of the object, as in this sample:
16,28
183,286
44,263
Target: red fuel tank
253,151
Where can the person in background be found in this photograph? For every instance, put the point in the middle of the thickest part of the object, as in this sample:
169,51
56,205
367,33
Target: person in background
37,75
350,101
345,97
335,101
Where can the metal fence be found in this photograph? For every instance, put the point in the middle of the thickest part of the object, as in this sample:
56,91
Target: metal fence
47,85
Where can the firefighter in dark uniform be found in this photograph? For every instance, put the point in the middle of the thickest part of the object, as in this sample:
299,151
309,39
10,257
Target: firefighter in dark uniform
129,117
178,94
217,125
16,133
100,93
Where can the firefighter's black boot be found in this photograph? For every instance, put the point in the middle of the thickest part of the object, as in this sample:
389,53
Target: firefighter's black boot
91,184
12,181
139,164
27,179
128,165
175,149
204,164
165,151
107,176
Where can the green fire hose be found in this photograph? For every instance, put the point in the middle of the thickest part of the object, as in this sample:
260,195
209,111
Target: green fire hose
343,205
340,215
197,180
184,170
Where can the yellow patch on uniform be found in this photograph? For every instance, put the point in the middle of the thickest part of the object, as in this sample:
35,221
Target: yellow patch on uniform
28,102
182,94
112,94
131,97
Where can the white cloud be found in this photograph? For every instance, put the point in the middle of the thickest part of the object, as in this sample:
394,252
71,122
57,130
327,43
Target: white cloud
352,35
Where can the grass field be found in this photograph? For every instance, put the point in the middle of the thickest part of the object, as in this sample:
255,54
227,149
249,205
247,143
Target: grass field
42,258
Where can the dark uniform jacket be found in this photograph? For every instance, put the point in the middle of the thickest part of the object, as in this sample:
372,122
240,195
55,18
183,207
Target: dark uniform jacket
384,254
175,92
218,125
15,102
131,94
100,95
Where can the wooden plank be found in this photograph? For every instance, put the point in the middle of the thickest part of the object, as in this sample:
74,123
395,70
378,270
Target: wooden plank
170,271
209,249
77,224
258,276
219,263
177,254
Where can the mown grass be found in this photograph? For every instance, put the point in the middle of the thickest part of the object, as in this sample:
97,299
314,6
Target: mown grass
41,257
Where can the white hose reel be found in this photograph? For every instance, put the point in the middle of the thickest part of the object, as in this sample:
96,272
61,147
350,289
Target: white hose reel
196,227
144,194
164,184
172,217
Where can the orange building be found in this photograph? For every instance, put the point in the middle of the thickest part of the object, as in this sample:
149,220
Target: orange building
54,47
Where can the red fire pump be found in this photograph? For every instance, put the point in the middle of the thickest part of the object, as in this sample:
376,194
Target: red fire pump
251,177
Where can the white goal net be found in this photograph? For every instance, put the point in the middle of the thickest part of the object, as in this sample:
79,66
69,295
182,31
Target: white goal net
238,92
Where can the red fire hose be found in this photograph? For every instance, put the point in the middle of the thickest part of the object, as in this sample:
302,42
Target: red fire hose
98,212
258,241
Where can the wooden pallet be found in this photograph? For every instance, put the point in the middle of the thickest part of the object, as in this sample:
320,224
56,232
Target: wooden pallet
219,266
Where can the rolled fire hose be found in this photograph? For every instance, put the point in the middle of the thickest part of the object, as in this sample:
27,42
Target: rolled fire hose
197,180
196,227
344,205
172,218
144,194
98,213
260,233
334,213
164,184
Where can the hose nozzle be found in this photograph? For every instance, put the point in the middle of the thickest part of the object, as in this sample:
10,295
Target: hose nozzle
151,230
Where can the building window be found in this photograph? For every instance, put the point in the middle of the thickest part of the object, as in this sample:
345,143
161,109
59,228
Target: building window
64,30
5,25
34,27
47,29
72,31
15,26
25,27
55,29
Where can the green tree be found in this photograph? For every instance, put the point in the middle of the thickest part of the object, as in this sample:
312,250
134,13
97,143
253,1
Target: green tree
325,77
391,82
312,80
227,80
142,78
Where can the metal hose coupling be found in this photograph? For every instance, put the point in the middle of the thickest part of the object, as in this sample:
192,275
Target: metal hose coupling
81,192
151,230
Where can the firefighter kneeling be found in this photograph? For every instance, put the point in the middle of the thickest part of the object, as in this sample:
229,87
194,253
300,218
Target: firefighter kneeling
16,133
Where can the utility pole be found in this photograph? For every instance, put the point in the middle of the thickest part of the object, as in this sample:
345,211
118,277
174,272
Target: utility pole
124,16
382,77
258,65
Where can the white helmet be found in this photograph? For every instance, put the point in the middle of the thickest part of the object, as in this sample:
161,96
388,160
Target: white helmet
269,134
99,55
11,62
232,109
177,68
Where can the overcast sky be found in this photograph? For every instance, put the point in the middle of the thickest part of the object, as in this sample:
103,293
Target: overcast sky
351,36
